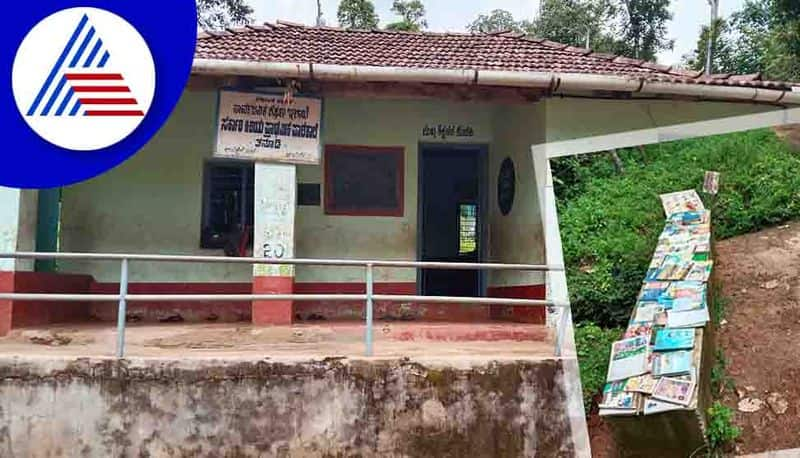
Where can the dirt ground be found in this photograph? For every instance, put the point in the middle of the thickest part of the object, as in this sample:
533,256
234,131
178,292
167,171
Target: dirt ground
759,276
201,340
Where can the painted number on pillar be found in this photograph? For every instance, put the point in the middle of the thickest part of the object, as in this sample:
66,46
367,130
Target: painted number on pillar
274,250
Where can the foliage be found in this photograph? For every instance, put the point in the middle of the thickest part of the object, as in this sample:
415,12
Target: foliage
593,345
219,14
644,28
575,22
496,21
720,430
720,380
610,222
412,14
764,36
357,14
724,58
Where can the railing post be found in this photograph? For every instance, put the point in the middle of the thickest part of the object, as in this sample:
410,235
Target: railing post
368,330
121,312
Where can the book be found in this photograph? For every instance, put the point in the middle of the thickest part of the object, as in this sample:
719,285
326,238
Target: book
681,201
674,391
646,312
688,319
641,384
652,290
629,358
674,339
700,271
653,406
674,267
639,329
620,400
672,363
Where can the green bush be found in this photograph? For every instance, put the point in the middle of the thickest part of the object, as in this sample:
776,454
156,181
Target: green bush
721,431
610,222
593,345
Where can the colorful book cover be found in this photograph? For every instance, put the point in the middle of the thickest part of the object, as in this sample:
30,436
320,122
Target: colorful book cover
688,319
641,384
620,400
674,391
674,339
674,267
653,406
700,271
681,201
639,329
652,290
672,363
646,312
629,357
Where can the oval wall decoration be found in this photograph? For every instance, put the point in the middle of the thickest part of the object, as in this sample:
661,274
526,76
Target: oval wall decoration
506,186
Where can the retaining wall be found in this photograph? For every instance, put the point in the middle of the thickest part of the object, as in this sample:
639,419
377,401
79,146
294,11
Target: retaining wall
265,408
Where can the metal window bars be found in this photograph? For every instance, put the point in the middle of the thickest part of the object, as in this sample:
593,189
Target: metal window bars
369,297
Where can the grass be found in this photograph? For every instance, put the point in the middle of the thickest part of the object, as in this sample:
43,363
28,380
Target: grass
593,345
610,221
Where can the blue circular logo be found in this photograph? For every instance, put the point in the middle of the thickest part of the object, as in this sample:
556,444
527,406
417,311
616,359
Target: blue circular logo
88,85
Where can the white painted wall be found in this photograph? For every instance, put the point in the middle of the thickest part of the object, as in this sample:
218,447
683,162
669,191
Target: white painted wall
18,209
570,118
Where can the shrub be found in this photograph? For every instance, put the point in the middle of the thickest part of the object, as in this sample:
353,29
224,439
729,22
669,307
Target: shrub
593,345
721,431
610,222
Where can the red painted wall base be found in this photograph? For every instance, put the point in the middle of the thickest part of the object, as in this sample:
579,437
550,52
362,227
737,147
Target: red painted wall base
273,312
17,314
32,313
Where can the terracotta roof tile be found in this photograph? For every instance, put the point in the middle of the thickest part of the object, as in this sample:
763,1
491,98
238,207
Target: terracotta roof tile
288,42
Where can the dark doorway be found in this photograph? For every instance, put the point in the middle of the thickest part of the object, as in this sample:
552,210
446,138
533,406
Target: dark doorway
452,209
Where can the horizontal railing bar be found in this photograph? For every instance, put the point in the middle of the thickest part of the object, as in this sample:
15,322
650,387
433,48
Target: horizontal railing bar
46,297
272,297
462,300
294,261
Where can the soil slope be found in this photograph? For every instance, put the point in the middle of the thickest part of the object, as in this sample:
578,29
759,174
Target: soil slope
758,274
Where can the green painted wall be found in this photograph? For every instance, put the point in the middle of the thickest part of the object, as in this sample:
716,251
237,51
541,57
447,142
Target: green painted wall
516,237
153,202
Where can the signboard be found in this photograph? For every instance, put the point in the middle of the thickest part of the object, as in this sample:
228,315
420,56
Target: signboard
711,182
268,127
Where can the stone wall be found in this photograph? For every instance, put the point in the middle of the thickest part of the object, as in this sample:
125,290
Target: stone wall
329,408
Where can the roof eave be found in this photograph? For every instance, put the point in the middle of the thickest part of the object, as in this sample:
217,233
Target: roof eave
557,83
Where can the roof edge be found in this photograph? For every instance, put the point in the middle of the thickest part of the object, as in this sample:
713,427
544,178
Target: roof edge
557,83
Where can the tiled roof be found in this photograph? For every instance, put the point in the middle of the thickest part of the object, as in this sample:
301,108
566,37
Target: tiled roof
293,43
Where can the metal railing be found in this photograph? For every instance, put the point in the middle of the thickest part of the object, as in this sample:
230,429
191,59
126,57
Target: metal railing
369,297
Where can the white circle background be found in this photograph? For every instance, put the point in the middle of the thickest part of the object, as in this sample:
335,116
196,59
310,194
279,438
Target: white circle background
39,52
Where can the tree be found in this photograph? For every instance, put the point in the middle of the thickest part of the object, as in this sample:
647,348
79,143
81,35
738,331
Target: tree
644,28
412,14
496,21
764,36
575,22
725,59
220,14
357,14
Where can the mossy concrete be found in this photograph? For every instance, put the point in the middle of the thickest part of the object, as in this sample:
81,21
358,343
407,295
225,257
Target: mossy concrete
334,407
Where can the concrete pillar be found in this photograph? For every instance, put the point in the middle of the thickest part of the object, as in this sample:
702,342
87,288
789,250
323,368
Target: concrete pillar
17,233
275,198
